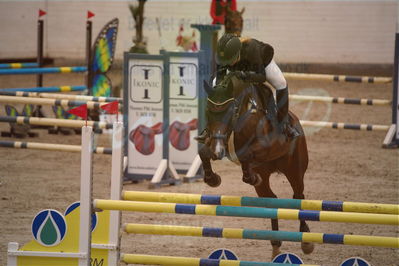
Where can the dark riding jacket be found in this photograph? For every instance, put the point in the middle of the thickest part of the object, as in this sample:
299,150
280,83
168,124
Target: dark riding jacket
254,57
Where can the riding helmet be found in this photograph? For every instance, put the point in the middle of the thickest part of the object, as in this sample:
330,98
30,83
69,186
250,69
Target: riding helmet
228,49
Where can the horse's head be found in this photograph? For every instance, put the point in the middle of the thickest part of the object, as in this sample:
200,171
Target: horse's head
221,108
233,21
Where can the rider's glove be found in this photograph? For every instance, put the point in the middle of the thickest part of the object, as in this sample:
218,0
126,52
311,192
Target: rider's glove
242,75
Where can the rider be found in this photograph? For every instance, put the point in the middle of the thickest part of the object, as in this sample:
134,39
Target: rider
252,60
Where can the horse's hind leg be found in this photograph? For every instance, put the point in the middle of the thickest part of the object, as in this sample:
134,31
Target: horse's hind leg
263,190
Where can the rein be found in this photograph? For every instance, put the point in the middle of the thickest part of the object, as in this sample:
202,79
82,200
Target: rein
238,105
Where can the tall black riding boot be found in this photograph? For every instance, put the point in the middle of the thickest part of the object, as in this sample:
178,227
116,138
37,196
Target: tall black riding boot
282,113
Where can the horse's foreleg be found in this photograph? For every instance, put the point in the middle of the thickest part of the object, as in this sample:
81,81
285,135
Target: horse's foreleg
210,177
264,190
307,247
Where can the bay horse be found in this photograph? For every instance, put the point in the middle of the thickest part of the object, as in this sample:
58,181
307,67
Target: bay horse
242,125
233,21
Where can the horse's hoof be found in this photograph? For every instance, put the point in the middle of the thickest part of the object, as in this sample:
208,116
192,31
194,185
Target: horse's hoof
253,180
307,247
276,251
213,180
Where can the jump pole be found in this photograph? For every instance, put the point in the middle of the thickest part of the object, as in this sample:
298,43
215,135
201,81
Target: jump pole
19,65
339,125
51,102
188,261
337,78
249,212
43,70
53,122
50,147
239,233
340,100
24,92
61,96
43,89
316,205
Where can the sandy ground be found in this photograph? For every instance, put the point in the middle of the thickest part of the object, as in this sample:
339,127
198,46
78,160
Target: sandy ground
344,165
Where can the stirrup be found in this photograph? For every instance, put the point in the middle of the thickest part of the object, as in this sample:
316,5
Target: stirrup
291,131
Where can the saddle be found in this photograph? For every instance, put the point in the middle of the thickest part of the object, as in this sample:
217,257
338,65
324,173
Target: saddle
143,138
179,134
266,98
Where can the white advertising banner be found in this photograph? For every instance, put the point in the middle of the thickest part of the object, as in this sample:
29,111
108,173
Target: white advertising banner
145,114
183,110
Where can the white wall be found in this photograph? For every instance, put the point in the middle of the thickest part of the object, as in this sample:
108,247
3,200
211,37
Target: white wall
309,31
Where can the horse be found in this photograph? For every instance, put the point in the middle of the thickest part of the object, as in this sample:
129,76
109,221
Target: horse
242,125
233,21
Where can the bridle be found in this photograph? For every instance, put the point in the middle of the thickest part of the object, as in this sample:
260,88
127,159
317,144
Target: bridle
220,107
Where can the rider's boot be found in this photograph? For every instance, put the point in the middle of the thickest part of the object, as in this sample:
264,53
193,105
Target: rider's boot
202,136
282,114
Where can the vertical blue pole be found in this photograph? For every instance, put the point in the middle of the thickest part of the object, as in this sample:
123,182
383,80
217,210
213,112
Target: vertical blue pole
208,38
166,83
201,91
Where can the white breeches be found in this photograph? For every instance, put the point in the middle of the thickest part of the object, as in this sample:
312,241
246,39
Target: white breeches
275,77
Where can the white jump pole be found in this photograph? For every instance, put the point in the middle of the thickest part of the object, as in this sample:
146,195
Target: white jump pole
116,189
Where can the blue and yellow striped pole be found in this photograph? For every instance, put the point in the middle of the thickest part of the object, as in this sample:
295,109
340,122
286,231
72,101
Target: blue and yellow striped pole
45,89
238,233
42,70
250,212
187,261
18,65
316,205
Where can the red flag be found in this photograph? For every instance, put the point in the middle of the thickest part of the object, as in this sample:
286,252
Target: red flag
111,108
90,14
80,111
42,13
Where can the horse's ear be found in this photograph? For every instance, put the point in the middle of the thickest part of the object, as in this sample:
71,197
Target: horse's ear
208,89
242,11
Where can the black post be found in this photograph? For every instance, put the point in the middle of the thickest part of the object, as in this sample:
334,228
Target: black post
89,75
39,59
395,91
